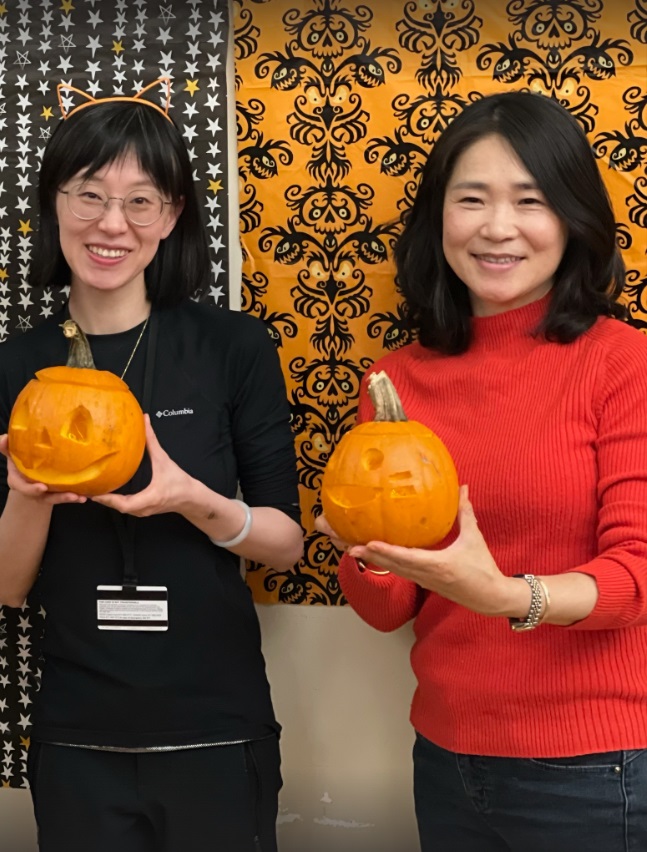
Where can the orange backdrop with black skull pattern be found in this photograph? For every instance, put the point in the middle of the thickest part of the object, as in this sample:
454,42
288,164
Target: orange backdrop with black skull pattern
338,104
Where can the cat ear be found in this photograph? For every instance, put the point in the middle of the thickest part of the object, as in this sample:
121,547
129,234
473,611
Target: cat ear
166,82
68,104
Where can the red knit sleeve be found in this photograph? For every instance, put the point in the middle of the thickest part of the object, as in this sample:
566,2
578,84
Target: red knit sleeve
385,601
620,569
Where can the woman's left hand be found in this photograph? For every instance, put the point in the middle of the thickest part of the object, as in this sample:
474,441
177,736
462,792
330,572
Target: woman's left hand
164,493
464,572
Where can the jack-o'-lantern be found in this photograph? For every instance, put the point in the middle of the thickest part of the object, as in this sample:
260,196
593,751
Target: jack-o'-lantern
76,428
390,479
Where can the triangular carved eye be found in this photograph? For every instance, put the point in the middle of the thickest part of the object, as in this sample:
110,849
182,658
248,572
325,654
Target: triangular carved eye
79,426
44,441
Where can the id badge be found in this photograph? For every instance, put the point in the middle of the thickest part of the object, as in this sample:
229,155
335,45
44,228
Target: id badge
141,608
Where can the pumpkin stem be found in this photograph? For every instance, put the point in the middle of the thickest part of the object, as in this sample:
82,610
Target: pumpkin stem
385,398
80,354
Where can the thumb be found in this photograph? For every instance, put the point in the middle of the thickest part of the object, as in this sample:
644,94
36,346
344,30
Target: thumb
152,444
466,517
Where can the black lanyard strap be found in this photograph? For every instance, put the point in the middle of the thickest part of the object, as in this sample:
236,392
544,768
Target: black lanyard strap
126,525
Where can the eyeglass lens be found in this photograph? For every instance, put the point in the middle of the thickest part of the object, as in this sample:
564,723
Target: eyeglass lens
141,207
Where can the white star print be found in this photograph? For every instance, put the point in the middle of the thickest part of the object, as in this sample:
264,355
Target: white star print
216,293
94,44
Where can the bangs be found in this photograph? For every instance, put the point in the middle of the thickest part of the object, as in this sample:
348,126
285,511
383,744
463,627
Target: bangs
106,134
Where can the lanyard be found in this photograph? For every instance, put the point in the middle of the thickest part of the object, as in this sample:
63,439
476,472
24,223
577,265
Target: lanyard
125,525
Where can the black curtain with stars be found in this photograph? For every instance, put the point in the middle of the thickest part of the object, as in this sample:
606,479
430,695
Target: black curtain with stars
103,48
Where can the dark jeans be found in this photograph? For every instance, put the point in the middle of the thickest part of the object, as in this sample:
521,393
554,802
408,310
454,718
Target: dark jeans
592,803
221,798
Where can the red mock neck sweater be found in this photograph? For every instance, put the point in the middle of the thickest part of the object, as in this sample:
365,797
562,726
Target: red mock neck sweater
552,440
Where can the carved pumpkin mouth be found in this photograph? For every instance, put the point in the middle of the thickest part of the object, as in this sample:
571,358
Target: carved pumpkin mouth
69,480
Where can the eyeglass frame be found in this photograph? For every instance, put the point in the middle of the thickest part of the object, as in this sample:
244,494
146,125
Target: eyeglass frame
110,198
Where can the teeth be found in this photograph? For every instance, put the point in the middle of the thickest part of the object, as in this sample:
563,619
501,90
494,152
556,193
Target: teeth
102,252
501,260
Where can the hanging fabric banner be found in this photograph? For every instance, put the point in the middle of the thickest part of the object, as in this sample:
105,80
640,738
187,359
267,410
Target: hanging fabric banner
338,104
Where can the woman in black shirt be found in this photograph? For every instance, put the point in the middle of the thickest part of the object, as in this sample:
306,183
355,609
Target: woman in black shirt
165,739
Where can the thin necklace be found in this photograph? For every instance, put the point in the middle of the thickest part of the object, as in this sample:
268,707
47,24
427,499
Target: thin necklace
132,354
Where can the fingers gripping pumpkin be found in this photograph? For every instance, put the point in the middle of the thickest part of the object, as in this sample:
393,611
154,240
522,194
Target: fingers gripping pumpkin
390,479
77,428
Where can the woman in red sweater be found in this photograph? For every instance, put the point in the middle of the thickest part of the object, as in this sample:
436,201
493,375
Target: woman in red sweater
531,619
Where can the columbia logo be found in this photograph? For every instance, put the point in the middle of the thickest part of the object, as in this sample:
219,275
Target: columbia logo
172,412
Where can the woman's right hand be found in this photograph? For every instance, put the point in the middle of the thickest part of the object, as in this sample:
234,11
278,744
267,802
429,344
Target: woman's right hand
322,526
34,490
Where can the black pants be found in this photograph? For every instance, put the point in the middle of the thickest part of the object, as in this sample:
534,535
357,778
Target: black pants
216,799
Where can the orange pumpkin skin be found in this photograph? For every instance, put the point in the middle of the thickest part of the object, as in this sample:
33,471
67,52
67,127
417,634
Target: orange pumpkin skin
77,429
393,482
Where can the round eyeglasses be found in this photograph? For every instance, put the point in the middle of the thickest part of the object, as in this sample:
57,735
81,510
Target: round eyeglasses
140,207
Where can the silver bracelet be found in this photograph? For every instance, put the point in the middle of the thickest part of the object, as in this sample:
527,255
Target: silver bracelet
242,535
538,605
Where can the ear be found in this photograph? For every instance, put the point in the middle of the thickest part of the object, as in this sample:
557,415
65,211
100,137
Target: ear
172,215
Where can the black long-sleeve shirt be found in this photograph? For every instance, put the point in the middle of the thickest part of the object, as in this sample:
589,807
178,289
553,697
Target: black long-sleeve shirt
219,409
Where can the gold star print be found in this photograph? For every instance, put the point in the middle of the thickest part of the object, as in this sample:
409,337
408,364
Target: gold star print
215,185
25,742
66,6
5,784
25,226
117,46
3,9
3,274
191,87
47,113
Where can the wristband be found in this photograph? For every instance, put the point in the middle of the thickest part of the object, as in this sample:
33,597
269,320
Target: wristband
242,535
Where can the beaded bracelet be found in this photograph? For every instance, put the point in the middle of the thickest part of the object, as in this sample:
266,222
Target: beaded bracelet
242,535
537,603
544,612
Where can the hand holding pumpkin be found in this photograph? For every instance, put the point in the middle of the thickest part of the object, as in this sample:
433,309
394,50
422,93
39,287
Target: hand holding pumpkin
464,572
166,490
323,526
31,489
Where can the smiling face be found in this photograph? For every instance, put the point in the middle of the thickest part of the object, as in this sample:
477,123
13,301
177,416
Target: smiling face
109,253
500,236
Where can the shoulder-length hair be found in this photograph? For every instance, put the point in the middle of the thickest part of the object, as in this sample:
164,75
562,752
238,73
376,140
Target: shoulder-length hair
98,136
555,151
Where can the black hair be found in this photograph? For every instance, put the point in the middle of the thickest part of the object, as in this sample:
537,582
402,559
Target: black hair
555,151
102,134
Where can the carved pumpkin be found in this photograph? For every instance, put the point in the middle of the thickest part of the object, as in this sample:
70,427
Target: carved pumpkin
77,428
390,479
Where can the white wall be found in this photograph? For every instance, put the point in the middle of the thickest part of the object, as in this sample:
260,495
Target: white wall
342,692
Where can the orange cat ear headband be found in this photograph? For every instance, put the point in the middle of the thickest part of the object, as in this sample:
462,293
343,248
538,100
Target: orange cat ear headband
139,98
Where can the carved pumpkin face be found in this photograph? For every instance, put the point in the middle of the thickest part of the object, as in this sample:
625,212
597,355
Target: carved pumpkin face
393,482
77,430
